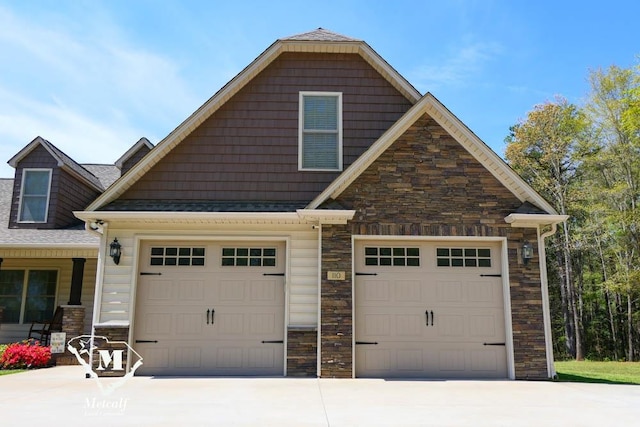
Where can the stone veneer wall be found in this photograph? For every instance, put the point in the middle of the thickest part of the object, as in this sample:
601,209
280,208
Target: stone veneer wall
426,184
73,326
302,351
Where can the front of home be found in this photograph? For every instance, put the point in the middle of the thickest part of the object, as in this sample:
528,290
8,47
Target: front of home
48,261
320,217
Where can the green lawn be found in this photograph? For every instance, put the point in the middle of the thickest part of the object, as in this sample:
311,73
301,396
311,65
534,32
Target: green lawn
599,372
10,371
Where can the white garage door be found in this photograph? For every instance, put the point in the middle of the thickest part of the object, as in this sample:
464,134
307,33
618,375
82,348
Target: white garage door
208,308
429,310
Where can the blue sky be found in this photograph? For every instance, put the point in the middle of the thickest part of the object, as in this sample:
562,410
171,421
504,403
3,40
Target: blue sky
94,76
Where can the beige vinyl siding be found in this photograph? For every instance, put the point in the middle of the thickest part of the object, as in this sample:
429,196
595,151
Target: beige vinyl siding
302,281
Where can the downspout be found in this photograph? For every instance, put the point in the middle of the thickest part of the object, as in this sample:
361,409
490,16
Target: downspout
99,229
546,309
319,343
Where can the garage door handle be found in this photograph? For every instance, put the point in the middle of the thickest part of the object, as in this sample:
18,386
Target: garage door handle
426,313
213,316
208,311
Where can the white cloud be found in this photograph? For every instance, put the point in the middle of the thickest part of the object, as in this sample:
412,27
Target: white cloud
459,69
84,88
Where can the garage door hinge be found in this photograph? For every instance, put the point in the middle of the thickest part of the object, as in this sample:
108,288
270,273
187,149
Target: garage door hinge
493,343
366,343
366,274
144,273
273,274
143,341
273,342
491,275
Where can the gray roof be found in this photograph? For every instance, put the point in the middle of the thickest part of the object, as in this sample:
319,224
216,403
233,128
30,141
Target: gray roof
37,237
321,35
203,206
107,174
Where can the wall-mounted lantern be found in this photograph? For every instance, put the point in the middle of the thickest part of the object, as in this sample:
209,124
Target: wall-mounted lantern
115,250
527,252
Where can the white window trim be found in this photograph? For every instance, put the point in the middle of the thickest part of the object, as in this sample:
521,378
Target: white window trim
46,212
301,129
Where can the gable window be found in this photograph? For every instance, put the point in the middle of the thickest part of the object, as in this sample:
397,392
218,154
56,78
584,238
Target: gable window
320,133
28,295
34,195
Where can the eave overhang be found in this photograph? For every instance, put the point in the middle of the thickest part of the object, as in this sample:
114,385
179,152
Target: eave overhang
534,220
312,216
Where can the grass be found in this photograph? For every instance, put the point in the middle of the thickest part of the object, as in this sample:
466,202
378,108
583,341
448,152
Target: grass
599,372
10,371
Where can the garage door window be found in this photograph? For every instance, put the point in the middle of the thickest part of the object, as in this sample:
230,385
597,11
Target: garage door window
463,257
399,257
249,257
170,256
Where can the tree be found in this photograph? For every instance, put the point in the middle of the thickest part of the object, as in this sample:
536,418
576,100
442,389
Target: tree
547,149
614,107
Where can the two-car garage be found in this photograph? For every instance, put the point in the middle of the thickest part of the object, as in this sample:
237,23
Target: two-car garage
422,309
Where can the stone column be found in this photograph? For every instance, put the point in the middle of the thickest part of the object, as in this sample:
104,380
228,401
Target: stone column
73,326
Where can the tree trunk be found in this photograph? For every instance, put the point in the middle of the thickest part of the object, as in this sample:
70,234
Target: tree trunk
629,328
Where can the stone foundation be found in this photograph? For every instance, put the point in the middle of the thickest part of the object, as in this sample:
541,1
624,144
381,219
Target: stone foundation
114,345
302,346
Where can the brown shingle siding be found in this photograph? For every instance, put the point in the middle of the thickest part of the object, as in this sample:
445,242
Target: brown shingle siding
248,149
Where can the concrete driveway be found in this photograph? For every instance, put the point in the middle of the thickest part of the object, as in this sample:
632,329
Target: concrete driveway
61,396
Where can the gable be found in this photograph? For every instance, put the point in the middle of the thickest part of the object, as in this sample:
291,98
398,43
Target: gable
319,41
454,127
66,193
248,149
427,177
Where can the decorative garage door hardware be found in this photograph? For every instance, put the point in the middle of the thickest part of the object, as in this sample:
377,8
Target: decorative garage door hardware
213,315
144,273
366,274
494,343
273,342
426,312
273,274
146,341
366,343
491,275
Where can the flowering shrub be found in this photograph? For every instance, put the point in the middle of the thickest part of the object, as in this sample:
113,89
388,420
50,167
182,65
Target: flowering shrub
25,355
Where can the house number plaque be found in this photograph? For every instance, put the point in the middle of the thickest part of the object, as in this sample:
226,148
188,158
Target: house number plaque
335,275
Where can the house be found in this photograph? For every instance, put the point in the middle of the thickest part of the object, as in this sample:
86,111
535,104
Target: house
319,216
47,258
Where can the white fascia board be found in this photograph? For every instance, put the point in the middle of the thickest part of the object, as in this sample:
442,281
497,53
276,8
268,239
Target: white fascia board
534,220
326,216
185,217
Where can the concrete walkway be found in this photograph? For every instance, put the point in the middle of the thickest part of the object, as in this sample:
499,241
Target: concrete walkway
61,396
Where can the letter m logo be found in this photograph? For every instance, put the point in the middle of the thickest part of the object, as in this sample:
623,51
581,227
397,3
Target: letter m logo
108,357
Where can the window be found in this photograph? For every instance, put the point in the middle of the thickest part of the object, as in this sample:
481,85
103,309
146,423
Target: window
34,195
320,135
28,295
251,257
170,256
463,257
398,257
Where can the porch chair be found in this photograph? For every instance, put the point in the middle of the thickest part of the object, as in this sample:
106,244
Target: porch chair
42,330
